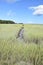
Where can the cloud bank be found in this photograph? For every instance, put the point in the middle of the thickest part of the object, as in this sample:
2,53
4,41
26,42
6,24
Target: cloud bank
38,10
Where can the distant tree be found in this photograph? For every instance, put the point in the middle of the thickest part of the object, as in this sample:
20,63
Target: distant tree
6,22
20,23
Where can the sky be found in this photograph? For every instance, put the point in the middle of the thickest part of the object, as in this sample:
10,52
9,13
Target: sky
22,11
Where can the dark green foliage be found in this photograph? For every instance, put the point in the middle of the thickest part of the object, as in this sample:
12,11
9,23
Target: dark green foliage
6,22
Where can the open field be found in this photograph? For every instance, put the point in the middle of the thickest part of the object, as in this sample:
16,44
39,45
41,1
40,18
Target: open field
28,51
34,33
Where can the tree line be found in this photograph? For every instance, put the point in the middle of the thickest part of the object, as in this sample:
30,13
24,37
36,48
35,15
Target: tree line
6,22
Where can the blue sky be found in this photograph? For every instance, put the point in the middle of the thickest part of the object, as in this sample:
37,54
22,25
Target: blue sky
22,11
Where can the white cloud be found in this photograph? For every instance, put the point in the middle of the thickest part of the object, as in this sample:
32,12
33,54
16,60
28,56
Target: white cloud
38,10
31,22
10,13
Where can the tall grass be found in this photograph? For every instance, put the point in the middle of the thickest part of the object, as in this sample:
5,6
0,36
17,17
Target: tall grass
33,33
17,52
13,54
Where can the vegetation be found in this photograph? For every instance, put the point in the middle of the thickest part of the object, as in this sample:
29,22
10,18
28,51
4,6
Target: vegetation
33,33
6,22
21,52
18,54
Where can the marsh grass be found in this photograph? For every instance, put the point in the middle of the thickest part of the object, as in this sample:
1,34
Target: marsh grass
18,52
33,33
10,54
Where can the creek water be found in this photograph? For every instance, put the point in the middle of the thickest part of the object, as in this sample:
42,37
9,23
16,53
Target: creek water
20,33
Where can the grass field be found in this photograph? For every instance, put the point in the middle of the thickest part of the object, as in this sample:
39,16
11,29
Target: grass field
34,33
18,52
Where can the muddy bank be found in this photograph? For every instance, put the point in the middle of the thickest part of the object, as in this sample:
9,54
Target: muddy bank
21,33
